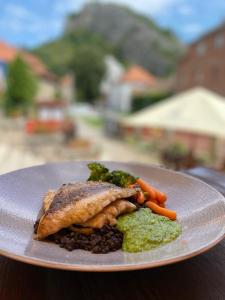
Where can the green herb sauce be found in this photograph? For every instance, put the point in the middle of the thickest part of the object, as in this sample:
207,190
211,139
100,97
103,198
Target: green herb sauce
144,230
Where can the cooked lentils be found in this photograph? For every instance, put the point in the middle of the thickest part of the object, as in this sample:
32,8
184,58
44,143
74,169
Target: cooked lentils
104,240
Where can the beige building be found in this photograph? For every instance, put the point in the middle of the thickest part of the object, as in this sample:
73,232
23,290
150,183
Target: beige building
49,85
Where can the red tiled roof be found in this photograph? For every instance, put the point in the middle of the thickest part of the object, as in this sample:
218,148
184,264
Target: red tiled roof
137,74
36,65
8,53
52,103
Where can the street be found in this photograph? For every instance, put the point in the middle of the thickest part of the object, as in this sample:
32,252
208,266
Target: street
17,151
113,149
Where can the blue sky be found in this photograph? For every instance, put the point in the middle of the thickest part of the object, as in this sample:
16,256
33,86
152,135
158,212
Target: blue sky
31,22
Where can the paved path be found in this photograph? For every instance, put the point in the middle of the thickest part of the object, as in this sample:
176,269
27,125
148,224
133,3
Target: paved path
14,153
12,158
113,149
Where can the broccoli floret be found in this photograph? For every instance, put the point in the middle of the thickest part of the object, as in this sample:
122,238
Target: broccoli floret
122,178
100,173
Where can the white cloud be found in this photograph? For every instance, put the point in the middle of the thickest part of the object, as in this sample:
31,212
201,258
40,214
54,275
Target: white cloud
153,7
24,21
67,6
192,28
186,10
20,20
18,11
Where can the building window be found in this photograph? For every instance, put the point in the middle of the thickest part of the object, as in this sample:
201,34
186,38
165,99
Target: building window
201,49
219,41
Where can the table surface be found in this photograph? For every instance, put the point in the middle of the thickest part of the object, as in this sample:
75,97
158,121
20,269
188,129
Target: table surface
202,277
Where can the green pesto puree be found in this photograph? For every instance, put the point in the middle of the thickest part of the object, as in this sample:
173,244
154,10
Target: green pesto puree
144,230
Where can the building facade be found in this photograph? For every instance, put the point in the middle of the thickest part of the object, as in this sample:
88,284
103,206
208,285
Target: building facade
204,63
48,83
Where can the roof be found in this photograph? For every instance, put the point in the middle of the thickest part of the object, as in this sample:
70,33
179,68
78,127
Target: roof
8,53
36,65
137,74
210,33
54,103
197,110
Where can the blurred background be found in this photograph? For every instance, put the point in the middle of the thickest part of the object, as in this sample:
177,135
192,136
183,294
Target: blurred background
112,80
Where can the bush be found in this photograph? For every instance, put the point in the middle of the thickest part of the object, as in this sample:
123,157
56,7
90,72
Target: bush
141,101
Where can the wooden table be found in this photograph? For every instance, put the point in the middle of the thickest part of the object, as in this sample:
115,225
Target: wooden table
200,278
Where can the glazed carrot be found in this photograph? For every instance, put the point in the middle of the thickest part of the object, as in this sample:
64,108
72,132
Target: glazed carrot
153,193
162,205
161,197
147,188
162,211
153,201
140,197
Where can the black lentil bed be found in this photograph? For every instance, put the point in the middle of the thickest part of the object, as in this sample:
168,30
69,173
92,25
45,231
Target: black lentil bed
104,240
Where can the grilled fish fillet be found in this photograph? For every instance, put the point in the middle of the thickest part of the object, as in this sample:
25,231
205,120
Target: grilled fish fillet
48,200
76,203
109,214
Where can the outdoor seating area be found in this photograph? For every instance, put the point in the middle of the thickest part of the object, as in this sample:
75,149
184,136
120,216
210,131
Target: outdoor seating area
195,119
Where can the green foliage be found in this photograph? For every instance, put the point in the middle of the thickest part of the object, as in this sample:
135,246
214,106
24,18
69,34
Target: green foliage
100,173
141,101
177,149
21,87
59,55
89,69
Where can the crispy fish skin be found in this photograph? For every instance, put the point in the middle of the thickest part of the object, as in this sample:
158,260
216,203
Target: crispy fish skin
76,203
109,214
49,196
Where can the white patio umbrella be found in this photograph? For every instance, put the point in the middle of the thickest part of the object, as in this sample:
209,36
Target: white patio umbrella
197,110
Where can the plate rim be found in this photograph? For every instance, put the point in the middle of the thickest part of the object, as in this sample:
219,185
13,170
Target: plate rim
114,268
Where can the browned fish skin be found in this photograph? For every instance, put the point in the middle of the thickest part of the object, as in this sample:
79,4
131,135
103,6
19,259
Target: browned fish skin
70,193
76,203
48,200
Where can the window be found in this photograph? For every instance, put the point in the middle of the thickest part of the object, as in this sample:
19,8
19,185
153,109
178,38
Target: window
219,41
201,49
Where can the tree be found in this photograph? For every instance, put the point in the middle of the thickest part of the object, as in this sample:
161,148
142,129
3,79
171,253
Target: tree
21,87
89,70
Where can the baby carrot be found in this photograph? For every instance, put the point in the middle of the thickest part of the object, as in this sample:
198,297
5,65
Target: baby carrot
140,197
161,204
153,193
161,197
162,211
153,200
147,188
